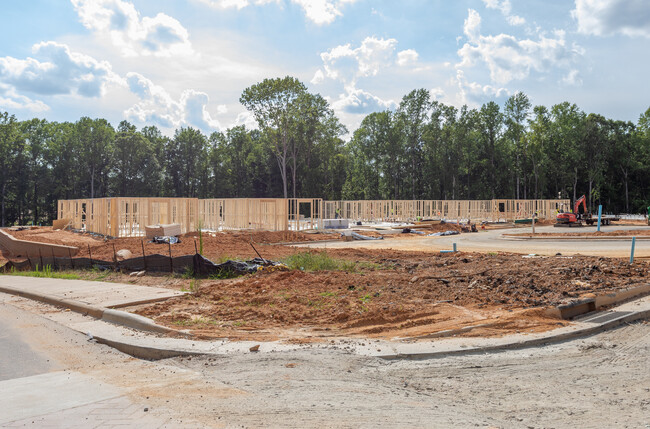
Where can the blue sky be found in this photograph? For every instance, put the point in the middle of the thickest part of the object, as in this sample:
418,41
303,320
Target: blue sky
174,63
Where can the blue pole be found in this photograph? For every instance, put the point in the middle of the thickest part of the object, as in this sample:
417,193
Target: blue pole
600,214
632,251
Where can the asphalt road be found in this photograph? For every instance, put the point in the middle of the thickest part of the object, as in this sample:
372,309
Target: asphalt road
494,241
17,357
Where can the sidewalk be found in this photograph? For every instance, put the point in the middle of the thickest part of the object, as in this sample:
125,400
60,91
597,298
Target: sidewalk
156,346
66,399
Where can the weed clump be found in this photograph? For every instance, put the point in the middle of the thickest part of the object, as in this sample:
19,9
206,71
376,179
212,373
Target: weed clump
318,261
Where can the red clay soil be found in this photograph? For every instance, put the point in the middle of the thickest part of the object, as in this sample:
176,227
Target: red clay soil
390,293
619,233
405,295
45,234
216,246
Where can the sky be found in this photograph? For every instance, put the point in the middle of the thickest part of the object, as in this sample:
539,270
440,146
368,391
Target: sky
180,63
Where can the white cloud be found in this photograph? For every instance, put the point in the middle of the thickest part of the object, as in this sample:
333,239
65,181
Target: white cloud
475,90
606,17
509,58
320,12
407,57
319,76
238,4
358,101
572,78
437,93
347,64
158,107
506,8
10,99
247,119
62,72
161,35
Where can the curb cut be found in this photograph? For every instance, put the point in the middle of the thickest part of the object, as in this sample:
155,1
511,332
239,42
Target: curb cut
116,317
145,352
550,339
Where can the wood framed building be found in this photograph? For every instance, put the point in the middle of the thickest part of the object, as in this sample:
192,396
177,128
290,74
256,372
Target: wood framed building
410,210
127,217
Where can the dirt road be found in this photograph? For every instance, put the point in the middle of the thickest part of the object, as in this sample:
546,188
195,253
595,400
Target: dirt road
492,241
601,381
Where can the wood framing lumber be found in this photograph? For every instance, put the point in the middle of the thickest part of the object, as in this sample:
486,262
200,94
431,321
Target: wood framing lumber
172,230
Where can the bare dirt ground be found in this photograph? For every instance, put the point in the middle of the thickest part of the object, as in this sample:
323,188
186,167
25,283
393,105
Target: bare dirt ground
382,293
599,381
397,294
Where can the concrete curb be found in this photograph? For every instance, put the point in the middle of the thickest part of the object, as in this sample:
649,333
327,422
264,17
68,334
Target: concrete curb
154,352
146,352
549,339
570,238
117,317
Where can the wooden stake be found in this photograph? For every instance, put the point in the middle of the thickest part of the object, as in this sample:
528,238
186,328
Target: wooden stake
90,254
53,258
171,261
115,258
71,261
144,256
258,253
41,257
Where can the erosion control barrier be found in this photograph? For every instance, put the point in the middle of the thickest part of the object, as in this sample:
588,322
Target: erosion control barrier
196,264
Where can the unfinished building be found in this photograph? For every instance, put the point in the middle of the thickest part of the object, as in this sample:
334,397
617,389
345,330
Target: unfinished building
128,217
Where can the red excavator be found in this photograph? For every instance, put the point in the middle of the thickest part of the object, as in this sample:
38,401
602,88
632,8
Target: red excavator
573,219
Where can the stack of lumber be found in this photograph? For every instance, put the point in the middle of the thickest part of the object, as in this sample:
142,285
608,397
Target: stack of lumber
171,230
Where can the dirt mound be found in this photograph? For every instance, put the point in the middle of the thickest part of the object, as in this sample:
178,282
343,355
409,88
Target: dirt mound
410,295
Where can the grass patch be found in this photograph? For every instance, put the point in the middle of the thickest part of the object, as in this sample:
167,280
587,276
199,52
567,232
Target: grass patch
45,272
366,298
320,261
328,294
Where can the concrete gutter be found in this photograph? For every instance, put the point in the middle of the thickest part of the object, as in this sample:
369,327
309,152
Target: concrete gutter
556,336
117,317
569,238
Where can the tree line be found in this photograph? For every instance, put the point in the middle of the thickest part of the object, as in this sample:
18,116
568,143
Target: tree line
423,149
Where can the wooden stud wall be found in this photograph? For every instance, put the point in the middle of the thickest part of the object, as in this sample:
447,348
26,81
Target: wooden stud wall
127,217
409,210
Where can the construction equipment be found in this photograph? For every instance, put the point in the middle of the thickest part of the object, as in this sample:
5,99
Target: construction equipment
575,218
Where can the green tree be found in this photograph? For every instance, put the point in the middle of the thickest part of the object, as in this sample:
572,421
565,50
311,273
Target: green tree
95,140
187,162
273,103
413,113
11,150
516,113
135,169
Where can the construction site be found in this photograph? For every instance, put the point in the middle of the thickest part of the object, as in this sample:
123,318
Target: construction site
406,270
